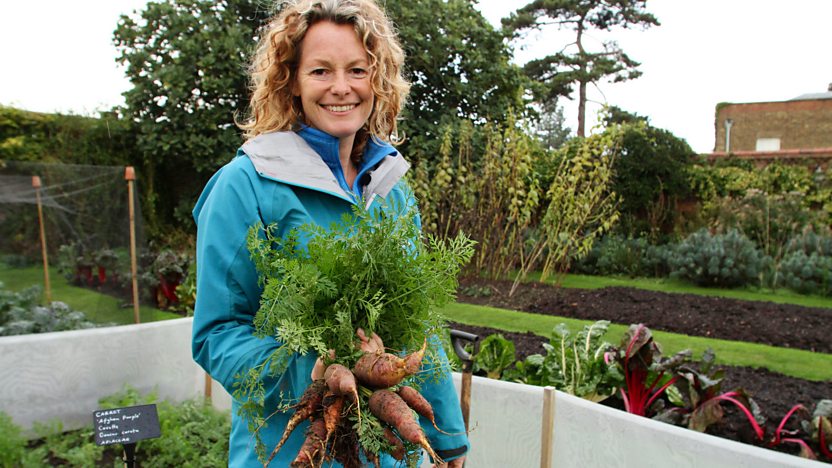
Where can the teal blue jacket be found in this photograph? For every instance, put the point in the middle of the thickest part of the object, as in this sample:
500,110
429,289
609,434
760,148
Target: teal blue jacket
291,179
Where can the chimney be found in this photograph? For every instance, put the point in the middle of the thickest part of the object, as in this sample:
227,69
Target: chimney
830,87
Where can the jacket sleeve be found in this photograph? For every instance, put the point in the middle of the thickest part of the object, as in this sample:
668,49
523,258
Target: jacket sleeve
228,293
441,394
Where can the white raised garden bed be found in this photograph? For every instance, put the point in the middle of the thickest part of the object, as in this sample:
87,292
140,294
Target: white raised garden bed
63,375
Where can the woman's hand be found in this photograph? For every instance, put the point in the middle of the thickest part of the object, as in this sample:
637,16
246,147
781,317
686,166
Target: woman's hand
319,368
373,344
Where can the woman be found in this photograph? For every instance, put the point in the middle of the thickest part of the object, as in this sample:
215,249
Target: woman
327,89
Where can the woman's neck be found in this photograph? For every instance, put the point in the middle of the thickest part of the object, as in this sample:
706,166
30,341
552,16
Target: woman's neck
344,153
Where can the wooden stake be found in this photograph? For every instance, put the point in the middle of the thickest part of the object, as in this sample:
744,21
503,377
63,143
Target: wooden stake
130,176
547,428
208,386
46,287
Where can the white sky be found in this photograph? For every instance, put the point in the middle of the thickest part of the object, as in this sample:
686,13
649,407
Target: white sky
57,56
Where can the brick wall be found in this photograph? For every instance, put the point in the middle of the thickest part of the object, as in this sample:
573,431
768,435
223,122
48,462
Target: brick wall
798,124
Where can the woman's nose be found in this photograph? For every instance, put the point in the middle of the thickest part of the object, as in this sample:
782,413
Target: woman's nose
340,84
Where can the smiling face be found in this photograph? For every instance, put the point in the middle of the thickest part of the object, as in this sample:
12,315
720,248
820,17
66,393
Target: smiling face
333,80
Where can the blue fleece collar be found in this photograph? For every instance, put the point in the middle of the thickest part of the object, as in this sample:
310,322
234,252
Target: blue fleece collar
327,148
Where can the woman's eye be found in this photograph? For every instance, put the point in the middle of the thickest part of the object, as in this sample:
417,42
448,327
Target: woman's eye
361,72
318,72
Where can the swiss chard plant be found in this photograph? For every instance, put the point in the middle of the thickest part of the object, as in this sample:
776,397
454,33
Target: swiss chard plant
647,375
819,427
703,389
574,363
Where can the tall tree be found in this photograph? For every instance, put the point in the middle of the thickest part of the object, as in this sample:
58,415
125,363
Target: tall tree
459,66
186,60
558,73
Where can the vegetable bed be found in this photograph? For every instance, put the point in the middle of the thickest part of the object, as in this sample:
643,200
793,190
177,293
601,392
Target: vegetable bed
780,325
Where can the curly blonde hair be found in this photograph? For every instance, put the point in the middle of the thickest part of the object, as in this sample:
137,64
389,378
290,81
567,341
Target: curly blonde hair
274,67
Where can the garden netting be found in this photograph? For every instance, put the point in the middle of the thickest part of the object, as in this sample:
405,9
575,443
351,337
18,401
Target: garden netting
87,227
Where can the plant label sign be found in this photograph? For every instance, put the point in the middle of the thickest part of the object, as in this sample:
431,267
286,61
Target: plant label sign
126,425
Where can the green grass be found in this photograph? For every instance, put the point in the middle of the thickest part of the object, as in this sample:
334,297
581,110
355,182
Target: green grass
99,308
781,296
797,363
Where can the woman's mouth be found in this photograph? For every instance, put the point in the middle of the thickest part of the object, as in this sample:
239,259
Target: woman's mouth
343,108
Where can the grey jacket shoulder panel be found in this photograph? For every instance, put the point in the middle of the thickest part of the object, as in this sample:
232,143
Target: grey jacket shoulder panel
286,157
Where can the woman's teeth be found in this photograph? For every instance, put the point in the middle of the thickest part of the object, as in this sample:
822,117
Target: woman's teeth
339,108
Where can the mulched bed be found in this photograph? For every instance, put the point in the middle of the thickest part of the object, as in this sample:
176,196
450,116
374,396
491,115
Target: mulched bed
782,325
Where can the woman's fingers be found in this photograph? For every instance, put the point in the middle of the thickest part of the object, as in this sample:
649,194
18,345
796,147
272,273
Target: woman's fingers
373,344
319,368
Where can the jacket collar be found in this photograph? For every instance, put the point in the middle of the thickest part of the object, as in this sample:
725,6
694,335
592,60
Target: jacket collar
309,158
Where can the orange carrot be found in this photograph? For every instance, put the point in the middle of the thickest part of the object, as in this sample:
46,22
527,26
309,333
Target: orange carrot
341,381
312,449
390,408
384,370
417,402
309,404
333,405
398,447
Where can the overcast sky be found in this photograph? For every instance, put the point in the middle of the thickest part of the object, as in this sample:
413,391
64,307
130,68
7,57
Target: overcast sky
57,55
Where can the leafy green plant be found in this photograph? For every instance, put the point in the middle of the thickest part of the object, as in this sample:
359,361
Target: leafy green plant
12,442
194,434
639,359
575,364
703,389
496,355
20,314
820,427
722,260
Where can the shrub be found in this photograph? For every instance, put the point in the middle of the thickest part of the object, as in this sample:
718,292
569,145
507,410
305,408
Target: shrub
811,241
723,260
807,274
618,255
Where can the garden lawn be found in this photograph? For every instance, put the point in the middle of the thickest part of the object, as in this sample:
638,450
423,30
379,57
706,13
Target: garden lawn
781,296
797,363
99,308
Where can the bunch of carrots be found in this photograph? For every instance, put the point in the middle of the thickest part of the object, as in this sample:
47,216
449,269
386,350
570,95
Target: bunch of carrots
377,273
329,402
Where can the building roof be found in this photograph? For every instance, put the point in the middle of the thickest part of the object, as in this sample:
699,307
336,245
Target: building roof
813,96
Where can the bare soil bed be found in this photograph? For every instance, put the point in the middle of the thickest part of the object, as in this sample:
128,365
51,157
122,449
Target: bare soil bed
781,325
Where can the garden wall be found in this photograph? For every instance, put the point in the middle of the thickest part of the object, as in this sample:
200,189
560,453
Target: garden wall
62,375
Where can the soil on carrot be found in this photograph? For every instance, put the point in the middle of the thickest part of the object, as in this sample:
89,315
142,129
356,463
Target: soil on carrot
773,324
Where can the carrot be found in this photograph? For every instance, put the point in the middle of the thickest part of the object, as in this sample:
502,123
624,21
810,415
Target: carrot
309,404
384,370
417,402
341,381
390,408
398,447
333,405
313,447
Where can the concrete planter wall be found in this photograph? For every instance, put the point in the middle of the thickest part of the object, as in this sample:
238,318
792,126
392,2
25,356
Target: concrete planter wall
63,375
